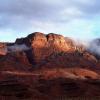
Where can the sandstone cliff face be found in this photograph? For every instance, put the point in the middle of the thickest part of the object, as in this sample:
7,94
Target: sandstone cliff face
43,45
58,42
51,50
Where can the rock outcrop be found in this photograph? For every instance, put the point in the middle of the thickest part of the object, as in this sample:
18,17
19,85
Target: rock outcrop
47,66
50,49
42,45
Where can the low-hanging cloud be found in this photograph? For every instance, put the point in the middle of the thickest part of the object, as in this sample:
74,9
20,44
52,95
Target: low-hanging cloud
17,48
94,46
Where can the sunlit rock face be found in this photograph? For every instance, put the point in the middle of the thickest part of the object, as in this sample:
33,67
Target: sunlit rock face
39,47
38,44
57,41
43,45
40,40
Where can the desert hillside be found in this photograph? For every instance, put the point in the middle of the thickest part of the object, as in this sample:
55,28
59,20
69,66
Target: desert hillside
47,66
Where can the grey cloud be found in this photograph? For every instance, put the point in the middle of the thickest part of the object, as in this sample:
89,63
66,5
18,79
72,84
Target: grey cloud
16,48
28,8
42,8
21,14
90,8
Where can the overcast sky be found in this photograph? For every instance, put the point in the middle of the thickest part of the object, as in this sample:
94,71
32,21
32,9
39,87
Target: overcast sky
72,18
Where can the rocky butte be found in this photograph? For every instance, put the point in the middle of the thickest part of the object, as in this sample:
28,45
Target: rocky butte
47,66
44,45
